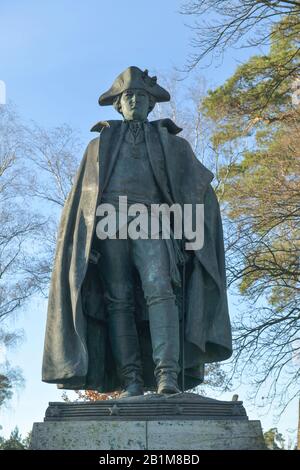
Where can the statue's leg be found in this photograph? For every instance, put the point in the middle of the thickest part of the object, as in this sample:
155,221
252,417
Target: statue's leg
151,258
116,274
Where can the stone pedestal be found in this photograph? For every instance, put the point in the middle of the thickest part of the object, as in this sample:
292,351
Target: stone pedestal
153,422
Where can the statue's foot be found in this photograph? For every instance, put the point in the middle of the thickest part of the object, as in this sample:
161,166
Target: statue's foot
132,390
167,384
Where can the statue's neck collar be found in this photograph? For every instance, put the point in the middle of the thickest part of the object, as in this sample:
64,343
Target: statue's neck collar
135,123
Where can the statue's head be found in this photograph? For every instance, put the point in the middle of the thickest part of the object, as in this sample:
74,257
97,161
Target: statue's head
134,104
134,94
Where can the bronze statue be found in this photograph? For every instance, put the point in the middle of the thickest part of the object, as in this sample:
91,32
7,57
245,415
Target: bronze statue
119,308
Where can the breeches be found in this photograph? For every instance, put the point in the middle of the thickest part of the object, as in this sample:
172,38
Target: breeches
119,259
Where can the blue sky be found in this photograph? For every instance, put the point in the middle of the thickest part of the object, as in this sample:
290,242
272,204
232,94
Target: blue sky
56,58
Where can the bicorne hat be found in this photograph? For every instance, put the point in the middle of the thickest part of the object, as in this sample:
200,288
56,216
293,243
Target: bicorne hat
133,77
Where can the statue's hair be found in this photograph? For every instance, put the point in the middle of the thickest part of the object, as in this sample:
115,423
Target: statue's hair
117,103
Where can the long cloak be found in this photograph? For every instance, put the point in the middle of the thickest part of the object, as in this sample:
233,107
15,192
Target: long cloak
77,351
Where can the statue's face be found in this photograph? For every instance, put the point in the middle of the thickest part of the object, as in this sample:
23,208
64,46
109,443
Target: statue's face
135,104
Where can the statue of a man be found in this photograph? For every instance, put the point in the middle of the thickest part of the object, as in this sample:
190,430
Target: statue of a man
122,310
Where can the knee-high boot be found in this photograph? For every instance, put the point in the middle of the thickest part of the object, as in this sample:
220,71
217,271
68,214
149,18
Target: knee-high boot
126,351
164,328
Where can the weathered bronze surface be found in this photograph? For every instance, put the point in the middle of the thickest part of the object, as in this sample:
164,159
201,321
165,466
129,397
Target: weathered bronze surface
182,406
115,314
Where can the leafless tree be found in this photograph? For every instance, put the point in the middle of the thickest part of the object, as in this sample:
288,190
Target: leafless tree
36,171
54,156
10,377
17,222
263,260
221,24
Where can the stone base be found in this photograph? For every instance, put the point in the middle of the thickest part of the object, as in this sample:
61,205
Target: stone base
183,421
212,434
